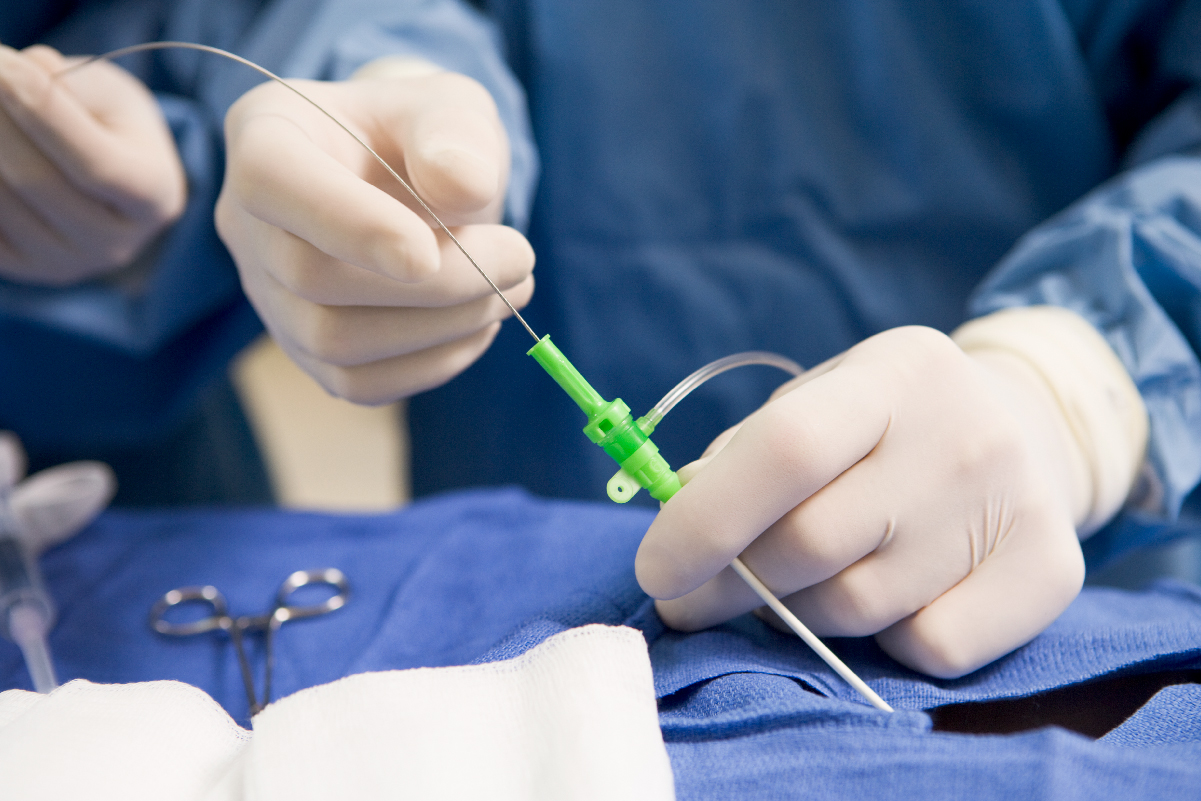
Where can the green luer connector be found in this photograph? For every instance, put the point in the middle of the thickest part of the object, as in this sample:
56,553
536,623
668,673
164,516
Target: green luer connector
611,426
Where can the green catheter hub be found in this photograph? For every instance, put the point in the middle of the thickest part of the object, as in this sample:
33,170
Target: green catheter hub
611,426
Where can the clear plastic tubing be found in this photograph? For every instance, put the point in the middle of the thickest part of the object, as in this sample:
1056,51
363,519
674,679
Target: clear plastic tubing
653,418
682,389
26,612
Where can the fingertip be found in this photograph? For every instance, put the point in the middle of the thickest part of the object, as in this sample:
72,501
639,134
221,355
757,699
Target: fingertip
505,255
455,159
689,471
663,572
46,57
278,175
457,178
1001,605
648,563
522,252
12,459
940,660
20,79
408,253
520,295
677,615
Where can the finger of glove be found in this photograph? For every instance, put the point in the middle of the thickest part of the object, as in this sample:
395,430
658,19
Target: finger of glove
31,251
43,187
388,380
345,336
115,169
34,251
721,440
690,470
874,592
319,278
280,176
1005,602
908,572
455,149
45,111
55,504
834,528
782,454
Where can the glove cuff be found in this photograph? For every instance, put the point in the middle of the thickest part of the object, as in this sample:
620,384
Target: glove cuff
1097,400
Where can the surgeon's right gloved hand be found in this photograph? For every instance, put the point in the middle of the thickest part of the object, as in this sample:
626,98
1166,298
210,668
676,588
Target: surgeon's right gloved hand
89,173
925,490
347,273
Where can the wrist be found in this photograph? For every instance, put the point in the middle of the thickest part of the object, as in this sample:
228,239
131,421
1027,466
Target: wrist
1078,402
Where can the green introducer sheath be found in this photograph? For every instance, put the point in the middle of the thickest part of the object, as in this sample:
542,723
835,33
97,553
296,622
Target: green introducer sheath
611,426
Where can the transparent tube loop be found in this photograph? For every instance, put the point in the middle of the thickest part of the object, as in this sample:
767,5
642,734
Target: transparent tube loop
685,387
656,415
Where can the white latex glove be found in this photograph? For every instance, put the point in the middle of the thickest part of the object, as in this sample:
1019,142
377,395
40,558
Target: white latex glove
908,490
356,287
89,173
52,505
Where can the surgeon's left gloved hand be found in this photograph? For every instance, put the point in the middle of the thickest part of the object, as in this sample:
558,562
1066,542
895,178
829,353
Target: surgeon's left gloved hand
89,173
925,490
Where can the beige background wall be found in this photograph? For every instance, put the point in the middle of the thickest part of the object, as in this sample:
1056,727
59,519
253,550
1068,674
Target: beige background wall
321,452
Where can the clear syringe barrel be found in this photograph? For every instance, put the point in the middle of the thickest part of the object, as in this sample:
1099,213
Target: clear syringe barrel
26,612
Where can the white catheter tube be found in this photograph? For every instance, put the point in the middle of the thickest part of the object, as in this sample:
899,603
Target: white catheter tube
28,627
802,631
26,611
660,410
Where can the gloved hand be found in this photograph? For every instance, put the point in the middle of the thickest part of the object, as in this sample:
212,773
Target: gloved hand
55,504
355,286
910,490
89,173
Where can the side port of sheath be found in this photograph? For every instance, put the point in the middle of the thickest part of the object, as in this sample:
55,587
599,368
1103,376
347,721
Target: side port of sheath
611,426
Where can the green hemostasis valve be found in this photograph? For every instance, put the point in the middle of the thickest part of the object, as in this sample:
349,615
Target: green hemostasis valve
611,426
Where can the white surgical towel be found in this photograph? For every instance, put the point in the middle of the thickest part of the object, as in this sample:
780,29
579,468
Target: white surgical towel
155,740
573,718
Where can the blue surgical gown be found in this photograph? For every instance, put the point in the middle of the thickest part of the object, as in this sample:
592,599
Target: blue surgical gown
796,176
716,177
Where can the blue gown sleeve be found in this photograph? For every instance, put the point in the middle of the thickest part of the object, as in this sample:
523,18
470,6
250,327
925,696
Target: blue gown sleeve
152,335
1127,257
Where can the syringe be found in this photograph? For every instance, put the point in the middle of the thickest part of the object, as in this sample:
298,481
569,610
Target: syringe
26,611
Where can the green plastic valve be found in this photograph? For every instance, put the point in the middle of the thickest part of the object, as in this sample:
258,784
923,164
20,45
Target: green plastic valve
611,426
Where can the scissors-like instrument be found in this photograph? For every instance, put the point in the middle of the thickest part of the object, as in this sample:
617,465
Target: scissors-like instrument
268,622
